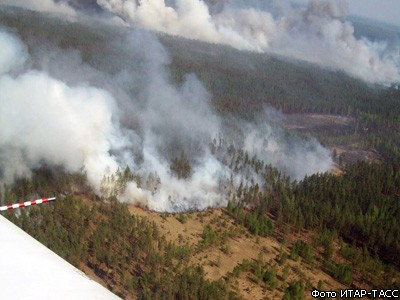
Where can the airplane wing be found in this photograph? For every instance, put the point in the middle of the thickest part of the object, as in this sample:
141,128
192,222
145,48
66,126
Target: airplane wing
30,271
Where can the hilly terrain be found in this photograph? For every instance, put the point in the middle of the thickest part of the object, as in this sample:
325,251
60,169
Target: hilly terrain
217,253
274,225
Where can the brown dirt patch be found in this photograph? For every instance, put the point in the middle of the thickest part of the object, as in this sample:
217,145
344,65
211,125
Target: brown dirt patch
217,262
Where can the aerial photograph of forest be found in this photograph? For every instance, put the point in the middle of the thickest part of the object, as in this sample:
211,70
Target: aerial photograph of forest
203,149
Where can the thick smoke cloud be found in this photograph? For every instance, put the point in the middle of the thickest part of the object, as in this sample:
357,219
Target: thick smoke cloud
57,110
318,33
321,34
13,54
44,120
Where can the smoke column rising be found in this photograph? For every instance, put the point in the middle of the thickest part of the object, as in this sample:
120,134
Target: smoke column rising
43,119
66,112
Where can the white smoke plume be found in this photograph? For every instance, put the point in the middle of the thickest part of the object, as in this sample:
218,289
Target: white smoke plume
12,53
293,156
44,120
318,33
57,110
48,6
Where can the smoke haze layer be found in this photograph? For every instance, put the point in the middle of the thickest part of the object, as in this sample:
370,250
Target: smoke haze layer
57,109
49,6
318,33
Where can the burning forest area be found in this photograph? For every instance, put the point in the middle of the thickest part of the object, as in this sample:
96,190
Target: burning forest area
203,149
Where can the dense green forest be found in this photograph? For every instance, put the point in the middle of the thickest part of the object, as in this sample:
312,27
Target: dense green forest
362,205
360,209
357,212
119,247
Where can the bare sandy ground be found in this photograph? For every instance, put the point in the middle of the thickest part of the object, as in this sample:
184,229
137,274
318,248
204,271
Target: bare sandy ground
217,263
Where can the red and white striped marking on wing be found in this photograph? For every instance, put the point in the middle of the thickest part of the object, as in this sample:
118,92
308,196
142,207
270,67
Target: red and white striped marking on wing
27,203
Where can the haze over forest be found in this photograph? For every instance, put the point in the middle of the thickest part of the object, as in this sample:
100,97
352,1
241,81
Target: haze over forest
281,115
137,116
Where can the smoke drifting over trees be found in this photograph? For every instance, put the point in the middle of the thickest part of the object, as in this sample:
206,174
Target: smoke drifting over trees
58,109
318,33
